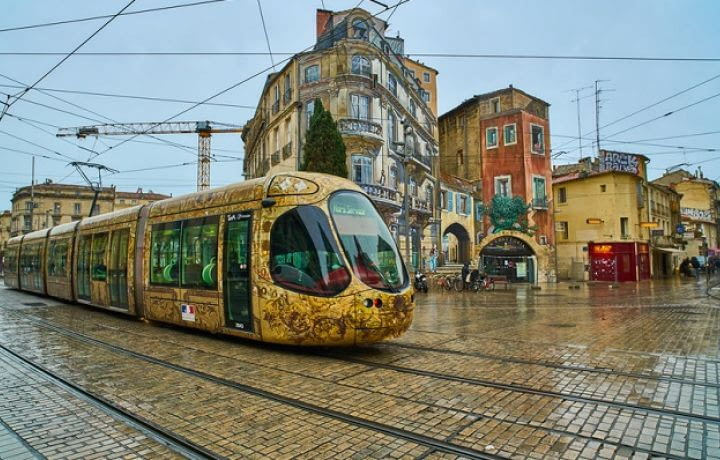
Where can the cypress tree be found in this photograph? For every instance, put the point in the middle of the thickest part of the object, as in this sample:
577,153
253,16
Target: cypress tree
324,149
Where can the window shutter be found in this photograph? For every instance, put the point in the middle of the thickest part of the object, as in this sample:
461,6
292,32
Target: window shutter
451,200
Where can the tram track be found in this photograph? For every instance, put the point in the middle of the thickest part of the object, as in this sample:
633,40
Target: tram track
438,445
525,389
508,359
169,439
431,443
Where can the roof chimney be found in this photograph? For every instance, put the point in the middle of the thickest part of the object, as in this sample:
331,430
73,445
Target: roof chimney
322,17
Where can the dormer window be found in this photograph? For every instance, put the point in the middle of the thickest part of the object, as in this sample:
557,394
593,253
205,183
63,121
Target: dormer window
359,29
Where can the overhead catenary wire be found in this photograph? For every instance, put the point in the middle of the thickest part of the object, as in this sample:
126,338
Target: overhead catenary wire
97,18
52,69
267,38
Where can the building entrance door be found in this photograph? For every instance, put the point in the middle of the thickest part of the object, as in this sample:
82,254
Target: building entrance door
237,262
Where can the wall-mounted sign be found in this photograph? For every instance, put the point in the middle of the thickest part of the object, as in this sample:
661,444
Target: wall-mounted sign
619,161
602,249
649,224
594,220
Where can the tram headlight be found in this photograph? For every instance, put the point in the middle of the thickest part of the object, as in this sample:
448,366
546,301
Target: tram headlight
378,303
368,303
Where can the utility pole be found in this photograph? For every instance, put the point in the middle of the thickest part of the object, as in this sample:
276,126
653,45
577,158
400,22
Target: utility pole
406,180
577,92
32,196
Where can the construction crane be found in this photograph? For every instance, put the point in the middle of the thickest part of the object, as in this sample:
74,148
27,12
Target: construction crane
204,129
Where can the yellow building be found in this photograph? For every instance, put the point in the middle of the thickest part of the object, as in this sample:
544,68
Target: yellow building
48,204
699,210
602,229
458,214
382,112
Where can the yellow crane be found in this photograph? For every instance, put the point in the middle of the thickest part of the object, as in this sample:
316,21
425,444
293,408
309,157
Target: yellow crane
204,129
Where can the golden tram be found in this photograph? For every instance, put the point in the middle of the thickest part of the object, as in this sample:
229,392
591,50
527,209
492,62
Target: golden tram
295,258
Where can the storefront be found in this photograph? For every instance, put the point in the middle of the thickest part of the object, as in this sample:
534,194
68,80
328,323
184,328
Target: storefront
510,257
619,261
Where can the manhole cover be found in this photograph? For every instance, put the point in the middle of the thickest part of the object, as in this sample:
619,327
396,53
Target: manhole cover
34,304
561,325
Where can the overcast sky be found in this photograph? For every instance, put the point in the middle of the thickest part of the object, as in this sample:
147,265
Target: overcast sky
685,29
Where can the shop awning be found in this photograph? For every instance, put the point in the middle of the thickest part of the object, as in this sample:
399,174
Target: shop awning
673,250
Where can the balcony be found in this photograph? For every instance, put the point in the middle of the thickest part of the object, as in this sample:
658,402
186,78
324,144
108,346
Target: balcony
361,127
287,151
382,196
420,205
276,107
539,203
423,160
275,157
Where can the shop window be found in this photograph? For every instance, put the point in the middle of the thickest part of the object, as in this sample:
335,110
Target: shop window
97,260
199,253
304,256
165,254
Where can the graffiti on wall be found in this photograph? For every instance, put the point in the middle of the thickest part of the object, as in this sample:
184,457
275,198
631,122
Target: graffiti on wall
619,161
697,214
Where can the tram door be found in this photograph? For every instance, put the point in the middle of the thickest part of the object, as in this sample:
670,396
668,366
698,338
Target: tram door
83,267
117,270
238,311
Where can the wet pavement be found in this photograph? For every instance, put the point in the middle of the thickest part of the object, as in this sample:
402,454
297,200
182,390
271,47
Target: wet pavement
595,372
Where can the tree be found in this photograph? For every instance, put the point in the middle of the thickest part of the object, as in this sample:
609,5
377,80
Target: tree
324,149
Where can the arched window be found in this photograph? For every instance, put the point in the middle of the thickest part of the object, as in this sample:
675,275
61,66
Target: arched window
359,29
312,73
360,65
361,169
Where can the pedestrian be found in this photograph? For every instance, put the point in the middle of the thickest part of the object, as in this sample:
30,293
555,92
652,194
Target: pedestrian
685,269
696,266
433,258
465,273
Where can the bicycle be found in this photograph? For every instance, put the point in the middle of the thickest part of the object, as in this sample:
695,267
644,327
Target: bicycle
442,281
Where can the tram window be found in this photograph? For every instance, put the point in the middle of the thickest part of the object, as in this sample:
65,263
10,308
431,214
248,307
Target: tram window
164,253
10,265
304,255
199,253
57,258
367,242
83,267
97,260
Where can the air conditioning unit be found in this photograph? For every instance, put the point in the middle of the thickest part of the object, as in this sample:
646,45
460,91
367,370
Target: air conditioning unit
543,239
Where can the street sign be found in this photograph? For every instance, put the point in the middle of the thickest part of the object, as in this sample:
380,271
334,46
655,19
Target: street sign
680,229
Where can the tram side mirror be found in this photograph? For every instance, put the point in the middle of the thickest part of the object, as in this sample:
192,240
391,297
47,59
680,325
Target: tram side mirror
268,202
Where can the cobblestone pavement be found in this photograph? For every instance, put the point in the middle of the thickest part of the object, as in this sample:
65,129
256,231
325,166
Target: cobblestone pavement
629,372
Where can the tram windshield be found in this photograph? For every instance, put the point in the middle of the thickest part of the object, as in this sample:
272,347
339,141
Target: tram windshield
367,242
304,255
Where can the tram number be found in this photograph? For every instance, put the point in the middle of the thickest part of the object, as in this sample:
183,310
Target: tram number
238,216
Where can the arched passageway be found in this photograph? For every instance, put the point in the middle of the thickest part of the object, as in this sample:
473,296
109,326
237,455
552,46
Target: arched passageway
456,244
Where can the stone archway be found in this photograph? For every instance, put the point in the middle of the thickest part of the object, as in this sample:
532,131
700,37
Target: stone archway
516,255
458,242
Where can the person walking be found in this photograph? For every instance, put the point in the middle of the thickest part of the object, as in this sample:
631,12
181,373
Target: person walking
696,266
433,259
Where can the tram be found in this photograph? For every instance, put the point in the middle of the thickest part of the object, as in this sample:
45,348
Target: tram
293,258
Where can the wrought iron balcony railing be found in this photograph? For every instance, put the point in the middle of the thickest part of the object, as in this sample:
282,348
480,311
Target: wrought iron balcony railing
418,204
540,203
